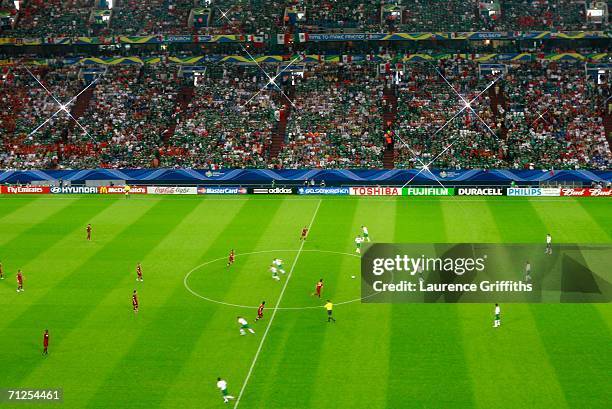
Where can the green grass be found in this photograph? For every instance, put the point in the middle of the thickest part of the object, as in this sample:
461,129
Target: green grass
376,356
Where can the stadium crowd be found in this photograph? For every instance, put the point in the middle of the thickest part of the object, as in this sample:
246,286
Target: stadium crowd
137,17
543,15
26,102
228,123
42,18
37,18
554,118
429,126
537,115
122,124
130,112
336,121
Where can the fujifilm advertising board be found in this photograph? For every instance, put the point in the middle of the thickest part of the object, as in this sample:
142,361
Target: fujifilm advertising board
428,191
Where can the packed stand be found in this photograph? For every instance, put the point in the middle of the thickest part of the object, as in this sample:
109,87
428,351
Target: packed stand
339,14
131,110
43,18
439,15
252,17
228,123
33,124
541,115
8,13
269,17
543,15
336,121
549,117
429,126
554,118
40,18
137,17
123,124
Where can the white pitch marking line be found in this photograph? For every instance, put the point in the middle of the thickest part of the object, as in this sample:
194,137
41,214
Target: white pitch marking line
280,297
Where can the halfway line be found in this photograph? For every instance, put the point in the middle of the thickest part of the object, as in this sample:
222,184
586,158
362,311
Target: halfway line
263,339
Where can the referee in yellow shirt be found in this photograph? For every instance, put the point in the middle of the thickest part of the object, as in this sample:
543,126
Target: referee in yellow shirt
329,307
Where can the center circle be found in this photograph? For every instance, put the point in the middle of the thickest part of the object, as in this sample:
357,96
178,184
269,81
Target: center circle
196,268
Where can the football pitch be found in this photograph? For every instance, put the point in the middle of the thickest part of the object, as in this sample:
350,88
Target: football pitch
186,334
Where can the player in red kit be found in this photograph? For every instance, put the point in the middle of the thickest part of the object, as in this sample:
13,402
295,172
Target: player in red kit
139,273
46,342
19,281
231,258
318,288
260,311
135,302
304,233
1,272
89,231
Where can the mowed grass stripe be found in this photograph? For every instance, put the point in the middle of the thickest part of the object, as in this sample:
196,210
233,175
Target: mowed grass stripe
299,342
66,303
354,370
578,343
564,329
168,339
28,231
279,299
468,222
569,222
112,321
600,210
605,311
9,205
224,350
492,352
428,366
227,351
45,268
84,364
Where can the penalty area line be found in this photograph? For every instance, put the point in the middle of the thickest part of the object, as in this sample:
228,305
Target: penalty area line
280,297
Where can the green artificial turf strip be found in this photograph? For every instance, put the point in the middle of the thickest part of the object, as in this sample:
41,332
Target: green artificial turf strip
375,356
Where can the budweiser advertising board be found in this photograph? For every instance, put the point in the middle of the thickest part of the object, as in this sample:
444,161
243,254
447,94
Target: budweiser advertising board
586,192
